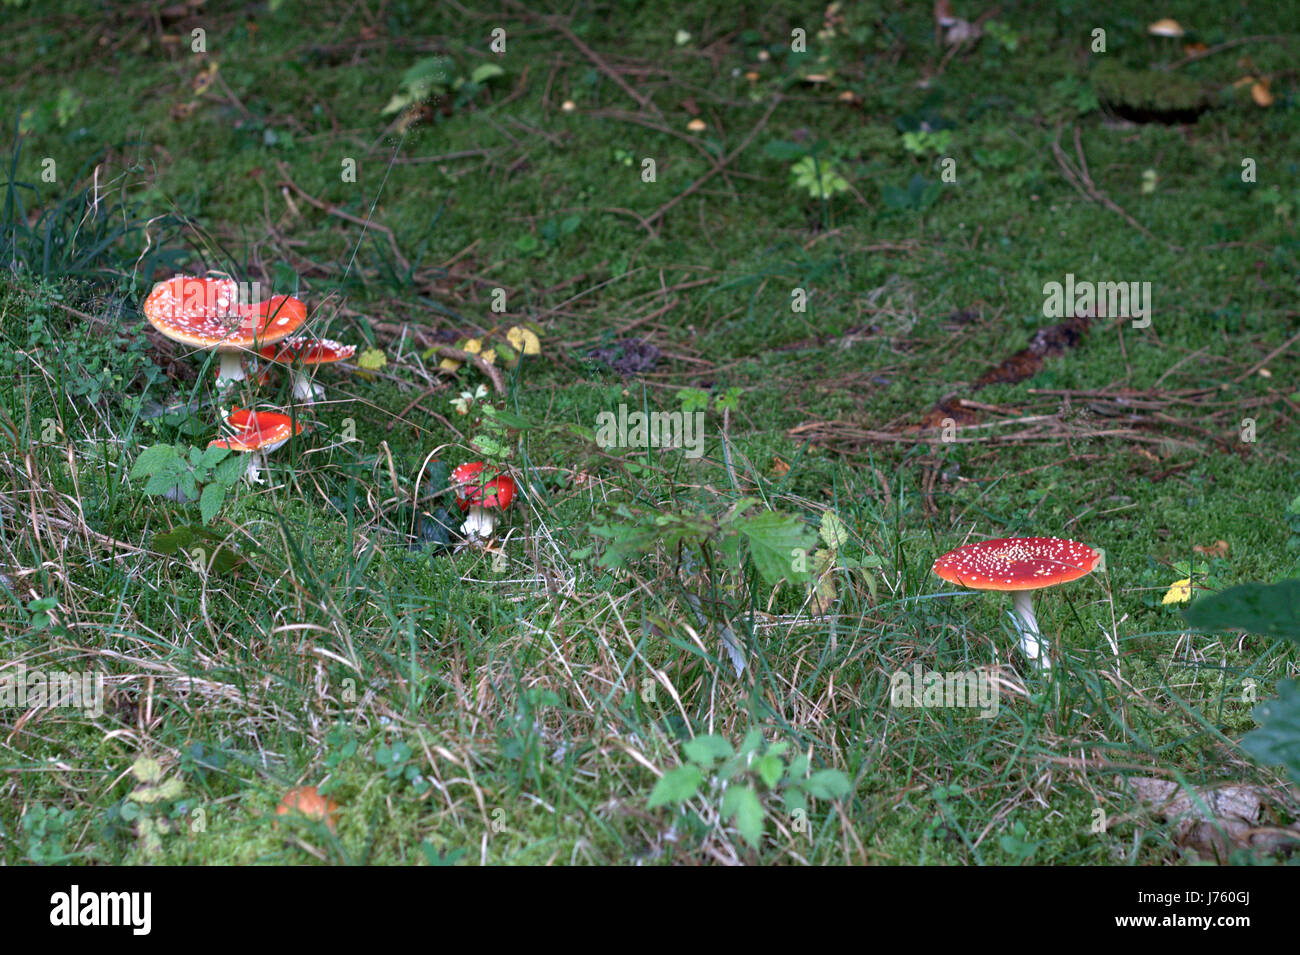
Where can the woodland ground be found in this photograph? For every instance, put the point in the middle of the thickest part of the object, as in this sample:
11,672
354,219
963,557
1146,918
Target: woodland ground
522,706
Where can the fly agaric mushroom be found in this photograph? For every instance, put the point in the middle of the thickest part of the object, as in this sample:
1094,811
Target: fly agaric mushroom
257,433
1020,565
207,313
481,497
303,354
308,801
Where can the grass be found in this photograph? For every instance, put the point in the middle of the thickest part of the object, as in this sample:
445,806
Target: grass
522,706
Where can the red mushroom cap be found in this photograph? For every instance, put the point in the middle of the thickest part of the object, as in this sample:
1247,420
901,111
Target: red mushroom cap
254,430
207,313
466,479
498,493
473,489
1017,563
307,351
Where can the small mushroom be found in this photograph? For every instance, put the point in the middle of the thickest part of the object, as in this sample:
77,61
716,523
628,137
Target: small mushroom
256,433
481,497
307,801
303,354
1020,565
1166,27
207,313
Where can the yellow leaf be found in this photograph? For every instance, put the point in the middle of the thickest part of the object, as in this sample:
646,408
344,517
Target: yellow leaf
370,359
1180,591
473,346
146,769
524,340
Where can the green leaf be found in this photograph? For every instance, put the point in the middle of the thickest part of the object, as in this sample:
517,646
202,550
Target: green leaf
752,741
769,769
773,541
676,786
168,542
212,456
485,72
161,482
210,502
708,749
1277,741
155,459
742,805
1263,609
827,784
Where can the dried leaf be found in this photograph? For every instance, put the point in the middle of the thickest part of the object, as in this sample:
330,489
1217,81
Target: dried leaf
1217,549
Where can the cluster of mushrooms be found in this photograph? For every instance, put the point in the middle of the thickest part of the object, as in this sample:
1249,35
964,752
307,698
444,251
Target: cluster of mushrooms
206,313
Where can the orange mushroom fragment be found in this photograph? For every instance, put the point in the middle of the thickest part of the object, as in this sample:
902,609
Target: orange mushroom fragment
308,802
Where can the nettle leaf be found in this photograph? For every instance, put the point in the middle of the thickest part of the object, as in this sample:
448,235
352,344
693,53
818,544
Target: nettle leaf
827,784
212,456
1269,610
708,749
769,769
155,459
775,543
741,805
162,482
676,786
210,502
1277,741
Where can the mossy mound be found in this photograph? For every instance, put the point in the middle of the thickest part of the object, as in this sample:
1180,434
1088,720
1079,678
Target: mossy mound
1149,96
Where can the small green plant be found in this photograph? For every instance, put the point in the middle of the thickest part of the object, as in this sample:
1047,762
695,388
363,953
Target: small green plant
1017,844
155,806
819,177
739,785
397,762
46,828
924,142
436,76
177,473
1007,38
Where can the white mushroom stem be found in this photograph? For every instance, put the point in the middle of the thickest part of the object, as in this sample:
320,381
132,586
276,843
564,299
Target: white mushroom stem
231,369
480,523
256,462
304,389
1031,640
